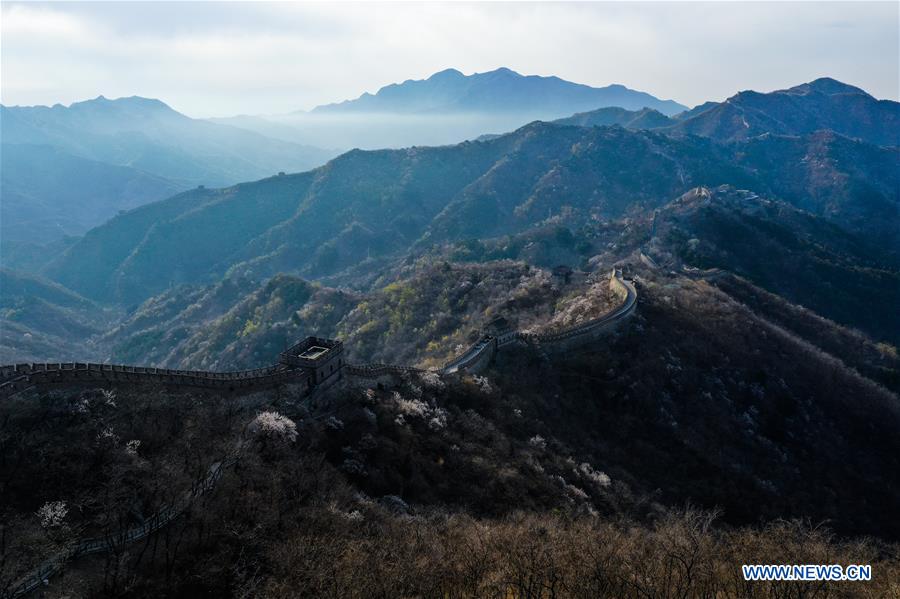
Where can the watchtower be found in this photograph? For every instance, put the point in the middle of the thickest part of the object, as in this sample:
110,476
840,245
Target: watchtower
323,358
501,329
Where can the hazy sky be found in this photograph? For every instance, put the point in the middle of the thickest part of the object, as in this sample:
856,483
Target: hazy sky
217,59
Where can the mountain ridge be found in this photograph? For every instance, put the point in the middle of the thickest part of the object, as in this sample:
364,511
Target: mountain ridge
163,149
823,103
324,220
501,89
129,130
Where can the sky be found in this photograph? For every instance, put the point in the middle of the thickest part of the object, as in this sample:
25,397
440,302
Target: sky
225,58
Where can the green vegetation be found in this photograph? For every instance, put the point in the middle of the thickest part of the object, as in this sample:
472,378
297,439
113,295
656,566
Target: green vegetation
365,210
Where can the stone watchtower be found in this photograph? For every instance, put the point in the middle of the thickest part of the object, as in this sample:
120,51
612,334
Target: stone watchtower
322,358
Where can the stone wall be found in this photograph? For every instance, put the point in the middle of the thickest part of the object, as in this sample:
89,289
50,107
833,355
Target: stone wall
19,377
478,356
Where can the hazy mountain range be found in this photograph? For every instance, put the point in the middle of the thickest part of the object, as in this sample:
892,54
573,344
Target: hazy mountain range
501,90
48,193
68,168
820,104
353,220
447,107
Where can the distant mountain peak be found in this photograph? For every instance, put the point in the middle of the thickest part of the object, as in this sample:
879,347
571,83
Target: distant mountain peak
645,118
445,74
499,91
827,86
503,71
138,102
824,103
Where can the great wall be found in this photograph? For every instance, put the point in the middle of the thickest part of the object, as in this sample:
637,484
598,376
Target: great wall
314,372
89,546
315,364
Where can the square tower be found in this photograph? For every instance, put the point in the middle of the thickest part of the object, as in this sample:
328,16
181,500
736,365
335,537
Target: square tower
323,358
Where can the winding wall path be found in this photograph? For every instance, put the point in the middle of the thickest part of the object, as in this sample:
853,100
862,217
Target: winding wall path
20,377
480,354
55,563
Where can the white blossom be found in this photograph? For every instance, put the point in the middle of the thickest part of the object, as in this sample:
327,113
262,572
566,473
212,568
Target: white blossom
599,478
52,513
411,407
431,380
537,441
575,492
109,396
273,424
483,384
107,434
334,423
81,406
438,419
131,448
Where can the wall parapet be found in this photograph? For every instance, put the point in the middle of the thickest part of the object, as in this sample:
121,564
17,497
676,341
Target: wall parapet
17,378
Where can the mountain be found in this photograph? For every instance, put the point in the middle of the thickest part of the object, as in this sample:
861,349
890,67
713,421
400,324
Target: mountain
364,207
446,108
646,118
791,253
852,183
681,116
502,90
46,192
373,204
821,104
109,155
147,134
42,320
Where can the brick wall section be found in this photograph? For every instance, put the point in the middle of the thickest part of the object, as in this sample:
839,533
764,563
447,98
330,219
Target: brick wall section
19,377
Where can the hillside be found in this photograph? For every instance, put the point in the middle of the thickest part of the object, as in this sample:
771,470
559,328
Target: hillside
821,104
147,134
325,222
47,193
41,320
786,251
646,118
69,168
853,184
426,314
735,414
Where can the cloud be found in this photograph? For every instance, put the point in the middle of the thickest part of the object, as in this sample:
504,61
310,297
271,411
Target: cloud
209,58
